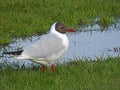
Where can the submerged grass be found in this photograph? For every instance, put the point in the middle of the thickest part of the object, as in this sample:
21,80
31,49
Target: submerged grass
20,18
103,74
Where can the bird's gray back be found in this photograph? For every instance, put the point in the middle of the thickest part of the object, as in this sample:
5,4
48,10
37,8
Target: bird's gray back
46,46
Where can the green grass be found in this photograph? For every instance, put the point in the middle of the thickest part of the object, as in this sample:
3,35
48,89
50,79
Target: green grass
103,74
20,18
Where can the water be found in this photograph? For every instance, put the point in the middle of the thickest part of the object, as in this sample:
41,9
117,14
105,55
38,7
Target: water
93,44
89,43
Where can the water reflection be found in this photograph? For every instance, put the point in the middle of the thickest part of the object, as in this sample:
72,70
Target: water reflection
89,43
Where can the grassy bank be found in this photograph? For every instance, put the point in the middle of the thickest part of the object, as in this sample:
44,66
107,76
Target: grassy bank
20,18
103,74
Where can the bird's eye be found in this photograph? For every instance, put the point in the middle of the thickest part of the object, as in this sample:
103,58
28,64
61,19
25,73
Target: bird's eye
61,27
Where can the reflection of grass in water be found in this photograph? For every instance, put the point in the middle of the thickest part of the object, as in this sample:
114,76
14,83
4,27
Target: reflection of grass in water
19,18
93,75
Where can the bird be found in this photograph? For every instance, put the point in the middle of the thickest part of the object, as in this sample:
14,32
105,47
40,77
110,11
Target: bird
48,48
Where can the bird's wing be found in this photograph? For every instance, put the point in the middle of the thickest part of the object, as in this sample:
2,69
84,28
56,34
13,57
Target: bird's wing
46,46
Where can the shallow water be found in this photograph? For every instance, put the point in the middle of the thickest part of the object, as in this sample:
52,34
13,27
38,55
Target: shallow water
89,43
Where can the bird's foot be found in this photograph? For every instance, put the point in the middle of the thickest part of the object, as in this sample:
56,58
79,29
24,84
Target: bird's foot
43,68
52,68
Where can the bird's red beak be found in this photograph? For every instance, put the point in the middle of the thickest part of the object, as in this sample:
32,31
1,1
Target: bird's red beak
70,30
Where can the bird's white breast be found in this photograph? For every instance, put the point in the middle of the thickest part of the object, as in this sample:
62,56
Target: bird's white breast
65,43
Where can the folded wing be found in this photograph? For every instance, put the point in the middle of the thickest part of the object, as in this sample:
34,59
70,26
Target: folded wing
46,46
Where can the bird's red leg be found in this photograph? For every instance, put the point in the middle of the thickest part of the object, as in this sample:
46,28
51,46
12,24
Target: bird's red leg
53,68
43,68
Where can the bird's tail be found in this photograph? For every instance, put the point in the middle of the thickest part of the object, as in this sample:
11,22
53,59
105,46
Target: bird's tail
16,53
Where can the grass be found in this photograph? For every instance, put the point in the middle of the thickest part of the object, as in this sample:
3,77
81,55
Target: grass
20,18
103,74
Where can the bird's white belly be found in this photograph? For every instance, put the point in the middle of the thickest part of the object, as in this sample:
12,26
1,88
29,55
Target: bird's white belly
49,59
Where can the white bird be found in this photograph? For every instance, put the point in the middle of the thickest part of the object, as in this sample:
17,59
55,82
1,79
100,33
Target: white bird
49,48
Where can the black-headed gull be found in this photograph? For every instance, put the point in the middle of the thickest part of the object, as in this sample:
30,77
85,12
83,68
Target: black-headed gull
50,47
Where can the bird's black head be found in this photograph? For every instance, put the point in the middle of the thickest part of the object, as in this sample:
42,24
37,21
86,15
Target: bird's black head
60,27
